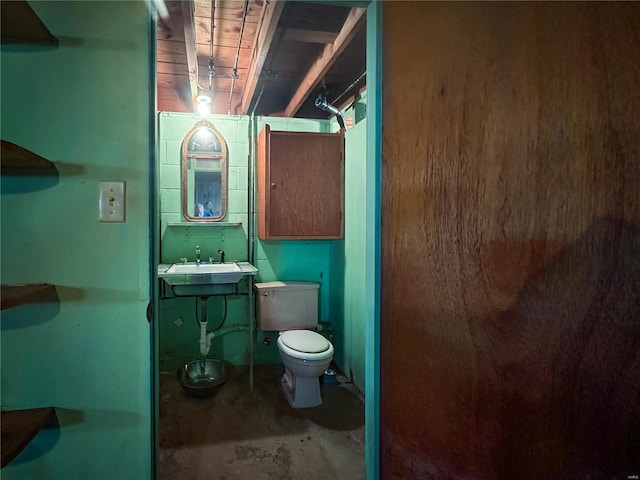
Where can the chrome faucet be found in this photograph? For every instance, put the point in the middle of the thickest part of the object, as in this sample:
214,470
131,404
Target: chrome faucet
198,255
221,252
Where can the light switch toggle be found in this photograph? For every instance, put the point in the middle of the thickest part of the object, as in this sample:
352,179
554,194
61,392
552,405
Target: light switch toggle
111,202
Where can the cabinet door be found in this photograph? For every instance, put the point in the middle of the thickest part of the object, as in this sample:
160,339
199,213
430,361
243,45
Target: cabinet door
300,185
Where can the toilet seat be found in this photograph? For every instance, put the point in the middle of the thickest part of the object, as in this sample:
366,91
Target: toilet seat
297,343
305,341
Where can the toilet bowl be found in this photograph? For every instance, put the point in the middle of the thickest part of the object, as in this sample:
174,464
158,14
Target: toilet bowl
305,355
291,308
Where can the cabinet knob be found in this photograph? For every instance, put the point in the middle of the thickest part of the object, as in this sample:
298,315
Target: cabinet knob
273,186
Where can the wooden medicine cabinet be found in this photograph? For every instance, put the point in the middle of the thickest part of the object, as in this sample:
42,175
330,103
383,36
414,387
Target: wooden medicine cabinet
300,185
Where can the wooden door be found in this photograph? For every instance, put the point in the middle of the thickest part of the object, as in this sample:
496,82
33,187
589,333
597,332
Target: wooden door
510,285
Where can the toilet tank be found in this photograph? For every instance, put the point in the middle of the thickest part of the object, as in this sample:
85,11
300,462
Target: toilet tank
287,305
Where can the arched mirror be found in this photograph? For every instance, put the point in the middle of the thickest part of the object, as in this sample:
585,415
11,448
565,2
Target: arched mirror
204,174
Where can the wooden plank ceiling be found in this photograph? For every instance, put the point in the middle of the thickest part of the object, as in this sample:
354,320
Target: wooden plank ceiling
265,57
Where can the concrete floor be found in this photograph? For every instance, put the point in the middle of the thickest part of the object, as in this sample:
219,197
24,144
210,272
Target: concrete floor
242,434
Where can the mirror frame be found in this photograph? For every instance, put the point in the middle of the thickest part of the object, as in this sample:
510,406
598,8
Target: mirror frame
185,156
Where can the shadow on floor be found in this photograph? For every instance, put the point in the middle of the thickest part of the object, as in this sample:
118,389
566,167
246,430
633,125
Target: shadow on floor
341,409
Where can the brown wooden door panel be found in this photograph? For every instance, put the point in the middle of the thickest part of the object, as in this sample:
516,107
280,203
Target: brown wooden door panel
510,305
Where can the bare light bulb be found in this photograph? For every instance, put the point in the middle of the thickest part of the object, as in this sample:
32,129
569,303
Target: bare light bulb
204,105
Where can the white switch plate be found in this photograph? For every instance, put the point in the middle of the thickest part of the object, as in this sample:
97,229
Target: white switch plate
111,203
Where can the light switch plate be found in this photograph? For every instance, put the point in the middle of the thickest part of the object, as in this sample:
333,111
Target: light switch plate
111,203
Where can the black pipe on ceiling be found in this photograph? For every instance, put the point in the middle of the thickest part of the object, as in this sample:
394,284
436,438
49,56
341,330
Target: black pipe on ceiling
322,104
234,75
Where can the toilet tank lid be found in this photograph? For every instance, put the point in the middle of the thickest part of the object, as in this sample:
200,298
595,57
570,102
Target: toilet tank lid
286,285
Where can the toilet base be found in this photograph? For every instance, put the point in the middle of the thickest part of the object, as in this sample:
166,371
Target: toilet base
301,392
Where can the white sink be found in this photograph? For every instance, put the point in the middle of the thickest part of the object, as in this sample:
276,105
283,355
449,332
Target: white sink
203,268
203,279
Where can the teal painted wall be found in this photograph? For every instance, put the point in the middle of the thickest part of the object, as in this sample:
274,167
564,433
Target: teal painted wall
353,290
276,260
181,241
85,106
179,343
372,200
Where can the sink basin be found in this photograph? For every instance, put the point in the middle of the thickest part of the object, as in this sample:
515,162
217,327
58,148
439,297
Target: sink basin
218,272
204,279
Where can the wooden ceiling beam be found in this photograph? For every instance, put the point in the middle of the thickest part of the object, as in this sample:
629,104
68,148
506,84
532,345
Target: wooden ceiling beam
266,32
309,36
325,60
188,18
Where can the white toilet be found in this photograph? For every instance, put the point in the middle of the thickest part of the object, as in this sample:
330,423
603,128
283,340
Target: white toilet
291,308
